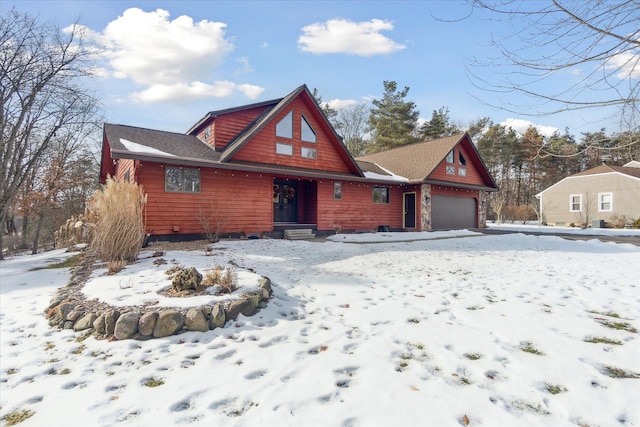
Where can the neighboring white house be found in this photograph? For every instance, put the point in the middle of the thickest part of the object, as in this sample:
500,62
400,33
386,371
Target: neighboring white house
592,196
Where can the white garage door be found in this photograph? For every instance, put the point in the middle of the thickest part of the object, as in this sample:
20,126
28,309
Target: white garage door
449,213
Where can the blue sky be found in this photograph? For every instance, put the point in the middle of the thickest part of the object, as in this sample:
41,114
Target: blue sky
166,64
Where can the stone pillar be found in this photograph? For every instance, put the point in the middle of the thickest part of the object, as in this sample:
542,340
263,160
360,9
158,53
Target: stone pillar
425,217
482,209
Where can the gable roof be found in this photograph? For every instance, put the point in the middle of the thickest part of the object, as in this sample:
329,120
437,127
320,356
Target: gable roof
268,115
627,171
417,161
213,114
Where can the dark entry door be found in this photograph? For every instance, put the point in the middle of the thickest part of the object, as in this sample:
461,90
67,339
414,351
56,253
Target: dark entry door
409,210
285,201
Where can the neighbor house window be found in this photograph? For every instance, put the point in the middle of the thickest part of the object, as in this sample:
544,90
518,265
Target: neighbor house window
450,157
308,153
284,128
182,180
380,194
284,149
605,202
337,191
308,134
575,203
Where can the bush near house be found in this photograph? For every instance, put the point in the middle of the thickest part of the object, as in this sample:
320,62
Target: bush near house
117,227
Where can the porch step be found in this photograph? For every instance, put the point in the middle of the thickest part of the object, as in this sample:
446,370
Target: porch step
299,234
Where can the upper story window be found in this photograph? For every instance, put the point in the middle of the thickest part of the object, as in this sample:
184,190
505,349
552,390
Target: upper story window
462,172
207,132
451,170
308,134
450,157
308,153
284,128
181,180
575,203
605,202
461,158
380,195
284,149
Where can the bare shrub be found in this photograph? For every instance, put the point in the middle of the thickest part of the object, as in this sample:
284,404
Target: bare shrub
117,229
116,266
212,220
524,213
212,277
229,281
618,221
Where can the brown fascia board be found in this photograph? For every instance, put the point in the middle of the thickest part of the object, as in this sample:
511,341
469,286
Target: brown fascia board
484,166
457,185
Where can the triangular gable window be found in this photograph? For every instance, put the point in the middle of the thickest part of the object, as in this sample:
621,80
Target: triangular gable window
284,128
308,134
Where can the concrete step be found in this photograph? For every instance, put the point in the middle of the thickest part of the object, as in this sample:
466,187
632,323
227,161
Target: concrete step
299,234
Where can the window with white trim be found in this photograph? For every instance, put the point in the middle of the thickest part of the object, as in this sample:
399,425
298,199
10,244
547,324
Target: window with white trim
451,170
284,149
575,203
605,202
380,194
462,172
181,180
284,128
307,132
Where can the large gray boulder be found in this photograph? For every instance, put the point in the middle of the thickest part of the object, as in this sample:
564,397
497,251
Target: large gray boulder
169,322
242,306
85,322
195,320
147,323
126,325
218,317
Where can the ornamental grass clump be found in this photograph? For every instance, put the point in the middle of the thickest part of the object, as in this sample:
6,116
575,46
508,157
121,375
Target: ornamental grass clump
117,226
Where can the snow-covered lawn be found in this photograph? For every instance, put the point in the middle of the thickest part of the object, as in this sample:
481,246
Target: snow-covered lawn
489,330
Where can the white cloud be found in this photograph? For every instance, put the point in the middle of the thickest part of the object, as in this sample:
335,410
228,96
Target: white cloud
339,104
166,56
342,36
521,126
245,66
627,64
184,92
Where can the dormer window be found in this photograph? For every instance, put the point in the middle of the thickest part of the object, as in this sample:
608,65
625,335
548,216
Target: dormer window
308,134
207,132
284,128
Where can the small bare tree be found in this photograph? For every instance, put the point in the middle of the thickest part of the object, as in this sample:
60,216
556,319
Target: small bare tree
212,220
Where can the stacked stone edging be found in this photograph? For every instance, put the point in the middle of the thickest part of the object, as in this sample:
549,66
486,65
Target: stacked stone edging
69,309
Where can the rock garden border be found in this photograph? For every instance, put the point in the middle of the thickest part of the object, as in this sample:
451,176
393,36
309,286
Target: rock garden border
70,309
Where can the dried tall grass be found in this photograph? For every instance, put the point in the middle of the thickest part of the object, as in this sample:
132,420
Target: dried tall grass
117,220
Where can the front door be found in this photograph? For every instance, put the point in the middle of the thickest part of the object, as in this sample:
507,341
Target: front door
409,210
285,198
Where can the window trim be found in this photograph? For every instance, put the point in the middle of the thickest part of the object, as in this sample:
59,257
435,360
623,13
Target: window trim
451,156
607,193
571,196
282,144
183,181
461,159
450,169
462,171
303,121
382,201
337,190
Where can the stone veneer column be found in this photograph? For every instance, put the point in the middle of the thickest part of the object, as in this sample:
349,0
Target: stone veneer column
482,209
425,217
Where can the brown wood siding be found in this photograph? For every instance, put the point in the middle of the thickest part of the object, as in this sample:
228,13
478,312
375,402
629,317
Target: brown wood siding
122,167
243,199
262,147
356,210
227,126
473,176
439,190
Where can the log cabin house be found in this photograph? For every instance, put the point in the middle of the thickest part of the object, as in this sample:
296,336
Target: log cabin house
271,166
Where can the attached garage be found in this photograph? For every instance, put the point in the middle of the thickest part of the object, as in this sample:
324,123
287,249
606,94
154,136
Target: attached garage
453,212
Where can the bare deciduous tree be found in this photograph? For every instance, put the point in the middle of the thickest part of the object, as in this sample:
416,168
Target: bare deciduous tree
42,96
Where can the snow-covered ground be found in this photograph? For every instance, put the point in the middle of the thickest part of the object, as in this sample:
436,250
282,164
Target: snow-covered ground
487,330
533,227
